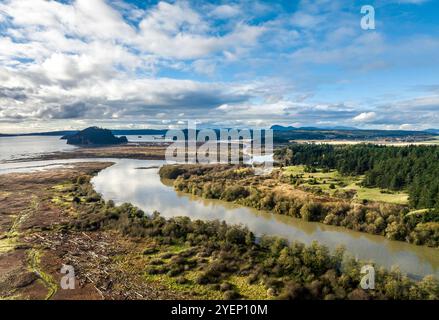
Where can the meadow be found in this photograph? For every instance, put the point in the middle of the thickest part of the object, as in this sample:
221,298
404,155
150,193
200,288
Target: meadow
332,182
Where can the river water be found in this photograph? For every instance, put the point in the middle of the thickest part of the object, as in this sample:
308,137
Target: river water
29,146
138,182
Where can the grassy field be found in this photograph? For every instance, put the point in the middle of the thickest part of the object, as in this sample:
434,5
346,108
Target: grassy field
331,182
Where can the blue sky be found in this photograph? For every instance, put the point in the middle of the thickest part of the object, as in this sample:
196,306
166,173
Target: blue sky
69,64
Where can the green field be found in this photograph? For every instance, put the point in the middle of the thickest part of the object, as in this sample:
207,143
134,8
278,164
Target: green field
332,182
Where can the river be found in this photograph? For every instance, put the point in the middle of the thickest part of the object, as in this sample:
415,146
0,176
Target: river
138,182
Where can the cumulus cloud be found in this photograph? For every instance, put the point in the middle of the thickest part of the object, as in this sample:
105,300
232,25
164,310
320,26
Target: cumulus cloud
226,11
83,59
365,117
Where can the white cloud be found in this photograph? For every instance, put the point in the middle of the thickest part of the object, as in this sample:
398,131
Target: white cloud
305,20
206,67
411,1
94,59
226,11
365,117
82,59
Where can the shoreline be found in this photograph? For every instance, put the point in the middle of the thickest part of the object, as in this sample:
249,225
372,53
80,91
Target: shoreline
142,152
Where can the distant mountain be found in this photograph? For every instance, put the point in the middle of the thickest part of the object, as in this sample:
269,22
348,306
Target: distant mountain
339,128
49,133
139,132
277,127
94,136
290,128
435,131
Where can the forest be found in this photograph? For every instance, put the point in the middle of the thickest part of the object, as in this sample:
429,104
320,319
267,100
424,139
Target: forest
411,168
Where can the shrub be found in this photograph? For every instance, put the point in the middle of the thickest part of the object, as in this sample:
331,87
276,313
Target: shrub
181,280
236,236
294,291
311,211
234,192
82,180
170,172
226,286
231,295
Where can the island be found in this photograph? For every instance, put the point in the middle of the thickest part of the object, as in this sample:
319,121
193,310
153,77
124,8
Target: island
94,136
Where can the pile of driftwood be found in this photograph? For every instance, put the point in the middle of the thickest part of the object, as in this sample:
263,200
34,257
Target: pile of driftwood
99,259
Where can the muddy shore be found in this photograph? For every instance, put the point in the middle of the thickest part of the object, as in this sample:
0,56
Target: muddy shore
34,246
146,151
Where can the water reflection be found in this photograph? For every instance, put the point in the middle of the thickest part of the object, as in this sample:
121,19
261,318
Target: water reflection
142,187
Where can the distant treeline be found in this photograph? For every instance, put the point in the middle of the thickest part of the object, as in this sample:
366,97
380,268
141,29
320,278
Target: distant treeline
284,135
412,168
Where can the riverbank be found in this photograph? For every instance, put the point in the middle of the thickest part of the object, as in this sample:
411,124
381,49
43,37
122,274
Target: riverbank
55,217
276,193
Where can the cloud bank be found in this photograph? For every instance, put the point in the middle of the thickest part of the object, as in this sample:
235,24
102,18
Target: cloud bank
70,63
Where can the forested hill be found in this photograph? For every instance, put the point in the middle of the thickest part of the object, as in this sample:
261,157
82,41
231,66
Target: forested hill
414,168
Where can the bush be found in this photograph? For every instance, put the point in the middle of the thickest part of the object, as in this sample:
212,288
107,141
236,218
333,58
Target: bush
236,236
225,286
82,180
181,280
231,295
170,172
311,211
175,271
294,291
234,192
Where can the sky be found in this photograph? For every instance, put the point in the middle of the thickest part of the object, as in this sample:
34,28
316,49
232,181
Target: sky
244,63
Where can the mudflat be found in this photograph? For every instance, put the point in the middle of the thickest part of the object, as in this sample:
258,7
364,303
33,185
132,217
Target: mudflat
34,245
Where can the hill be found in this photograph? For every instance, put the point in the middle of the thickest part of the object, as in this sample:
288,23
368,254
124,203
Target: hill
94,136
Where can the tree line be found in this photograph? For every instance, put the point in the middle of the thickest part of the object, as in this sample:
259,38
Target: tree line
411,168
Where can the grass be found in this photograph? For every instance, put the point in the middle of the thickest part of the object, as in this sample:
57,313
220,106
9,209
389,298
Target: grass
419,211
377,194
62,196
249,291
191,287
7,244
10,238
35,266
324,180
